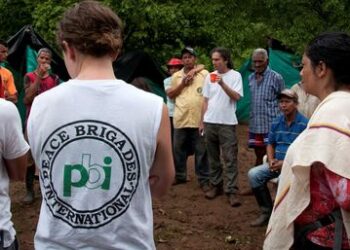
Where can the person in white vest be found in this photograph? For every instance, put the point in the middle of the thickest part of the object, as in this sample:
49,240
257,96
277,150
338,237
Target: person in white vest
102,146
312,205
13,162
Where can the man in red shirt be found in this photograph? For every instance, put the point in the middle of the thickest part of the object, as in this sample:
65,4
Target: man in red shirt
35,83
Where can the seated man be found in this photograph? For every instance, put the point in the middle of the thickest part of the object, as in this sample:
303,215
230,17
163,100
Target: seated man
283,132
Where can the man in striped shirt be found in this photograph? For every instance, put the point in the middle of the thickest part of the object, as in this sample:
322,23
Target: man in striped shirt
265,85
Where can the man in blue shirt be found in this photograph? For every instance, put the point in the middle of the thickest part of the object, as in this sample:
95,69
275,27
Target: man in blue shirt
284,130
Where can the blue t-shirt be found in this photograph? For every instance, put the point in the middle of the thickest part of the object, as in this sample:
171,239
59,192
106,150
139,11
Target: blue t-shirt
281,135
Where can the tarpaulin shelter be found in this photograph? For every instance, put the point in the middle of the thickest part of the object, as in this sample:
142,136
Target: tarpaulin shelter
22,59
140,64
282,60
23,47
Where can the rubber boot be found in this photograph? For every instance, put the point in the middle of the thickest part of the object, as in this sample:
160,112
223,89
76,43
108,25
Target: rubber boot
29,197
263,197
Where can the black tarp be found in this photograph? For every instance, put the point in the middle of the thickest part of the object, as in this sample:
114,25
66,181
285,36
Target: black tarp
135,64
18,44
127,67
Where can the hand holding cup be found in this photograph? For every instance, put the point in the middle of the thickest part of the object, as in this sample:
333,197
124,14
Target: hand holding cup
215,78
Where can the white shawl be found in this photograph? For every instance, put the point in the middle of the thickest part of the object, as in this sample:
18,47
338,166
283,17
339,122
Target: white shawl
327,140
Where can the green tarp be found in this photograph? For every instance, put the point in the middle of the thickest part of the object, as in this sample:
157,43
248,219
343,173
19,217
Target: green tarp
24,44
282,62
23,47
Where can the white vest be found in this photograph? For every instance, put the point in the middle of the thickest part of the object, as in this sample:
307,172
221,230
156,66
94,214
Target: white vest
94,142
12,146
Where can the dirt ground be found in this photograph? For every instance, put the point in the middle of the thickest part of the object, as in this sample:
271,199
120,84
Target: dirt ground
183,219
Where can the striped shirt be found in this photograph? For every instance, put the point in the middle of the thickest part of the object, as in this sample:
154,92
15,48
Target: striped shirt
281,135
264,104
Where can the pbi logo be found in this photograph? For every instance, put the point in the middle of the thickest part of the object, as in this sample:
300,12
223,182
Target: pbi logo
91,176
94,187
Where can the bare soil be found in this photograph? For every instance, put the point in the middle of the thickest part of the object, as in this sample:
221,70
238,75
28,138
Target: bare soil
183,219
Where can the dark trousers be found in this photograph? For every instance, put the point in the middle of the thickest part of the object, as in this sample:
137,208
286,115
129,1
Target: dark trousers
30,175
221,140
172,129
185,139
308,245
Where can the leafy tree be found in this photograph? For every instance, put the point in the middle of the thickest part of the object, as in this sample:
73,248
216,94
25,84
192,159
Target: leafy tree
297,22
163,27
14,15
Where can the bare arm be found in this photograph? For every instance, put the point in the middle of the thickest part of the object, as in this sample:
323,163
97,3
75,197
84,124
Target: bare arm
230,92
274,164
30,90
270,151
16,168
162,172
173,92
197,68
12,98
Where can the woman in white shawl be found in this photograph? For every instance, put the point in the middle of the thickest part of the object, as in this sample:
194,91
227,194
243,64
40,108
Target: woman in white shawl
312,206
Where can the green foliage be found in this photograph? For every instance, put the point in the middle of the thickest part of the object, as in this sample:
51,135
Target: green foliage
297,22
163,27
45,17
14,15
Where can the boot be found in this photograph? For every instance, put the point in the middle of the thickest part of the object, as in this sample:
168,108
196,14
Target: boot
29,197
263,218
263,197
214,191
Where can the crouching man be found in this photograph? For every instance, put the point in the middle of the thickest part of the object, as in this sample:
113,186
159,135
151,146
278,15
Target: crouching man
284,130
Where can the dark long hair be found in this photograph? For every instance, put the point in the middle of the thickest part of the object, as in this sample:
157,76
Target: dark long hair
225,54
333,49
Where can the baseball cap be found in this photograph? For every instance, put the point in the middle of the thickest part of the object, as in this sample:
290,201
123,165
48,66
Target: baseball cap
174,62
188,49
289,94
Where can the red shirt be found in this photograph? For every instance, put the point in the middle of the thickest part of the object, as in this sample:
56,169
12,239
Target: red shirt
328,191
46,83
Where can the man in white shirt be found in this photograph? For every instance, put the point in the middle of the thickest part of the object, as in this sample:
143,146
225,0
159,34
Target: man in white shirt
13,159
222,89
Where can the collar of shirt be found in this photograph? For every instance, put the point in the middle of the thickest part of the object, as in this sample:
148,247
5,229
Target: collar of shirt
263,73
297,118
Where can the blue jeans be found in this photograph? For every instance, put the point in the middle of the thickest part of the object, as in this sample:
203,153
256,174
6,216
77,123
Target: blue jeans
184,139
260,175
